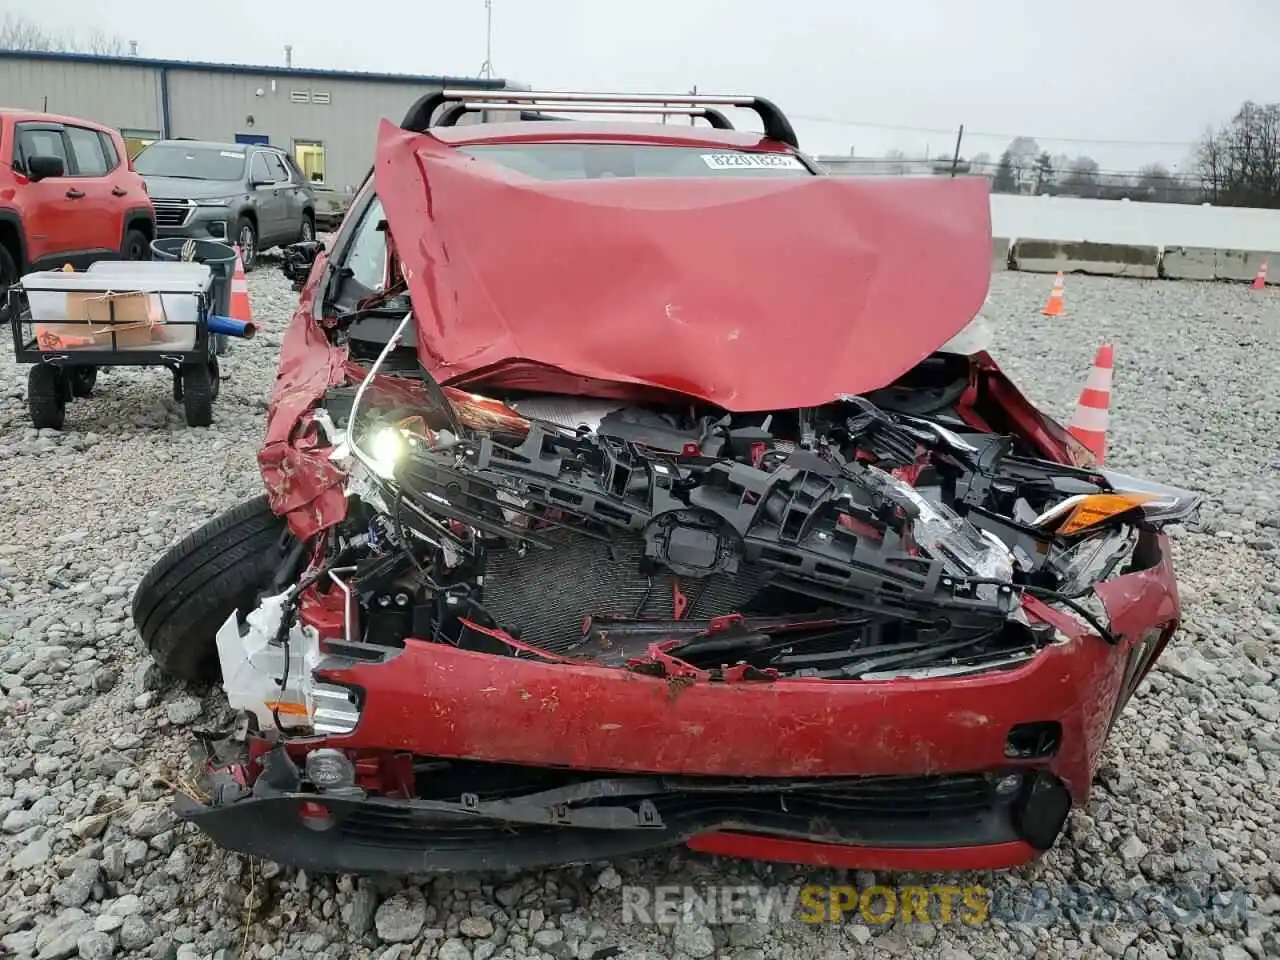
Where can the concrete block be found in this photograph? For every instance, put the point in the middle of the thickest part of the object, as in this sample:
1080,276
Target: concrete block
1244,265
1102,259
999,253
1189,263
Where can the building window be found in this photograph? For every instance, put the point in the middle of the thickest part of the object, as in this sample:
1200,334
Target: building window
310,157
135,140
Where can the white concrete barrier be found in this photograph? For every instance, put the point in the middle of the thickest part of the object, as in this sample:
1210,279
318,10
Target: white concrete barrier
1189,263
1039,255
1132,222
1132,239
999,253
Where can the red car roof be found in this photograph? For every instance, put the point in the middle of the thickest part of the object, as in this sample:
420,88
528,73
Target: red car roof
19,115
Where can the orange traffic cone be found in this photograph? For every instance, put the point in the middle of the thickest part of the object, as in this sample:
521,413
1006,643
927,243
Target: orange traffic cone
1260,281
241,309
1089,422
1057,298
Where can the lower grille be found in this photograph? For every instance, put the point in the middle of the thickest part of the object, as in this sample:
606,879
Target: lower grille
545,595
845,806
387,827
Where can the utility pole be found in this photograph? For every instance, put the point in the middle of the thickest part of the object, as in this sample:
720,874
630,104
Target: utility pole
955,158
486,68
693,93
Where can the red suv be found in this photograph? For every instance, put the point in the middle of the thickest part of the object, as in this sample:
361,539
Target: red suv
68,194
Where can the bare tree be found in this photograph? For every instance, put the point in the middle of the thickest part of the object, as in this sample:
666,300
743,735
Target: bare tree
1082,177
1044,172
20,33
1155,183
1239,165
1006,178
104,44
1023,153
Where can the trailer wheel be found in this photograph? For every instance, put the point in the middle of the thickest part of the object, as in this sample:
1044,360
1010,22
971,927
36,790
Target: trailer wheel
199,388
82,380
216,569
215,376
47,397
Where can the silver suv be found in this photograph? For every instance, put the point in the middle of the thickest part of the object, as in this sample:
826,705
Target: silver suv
252,195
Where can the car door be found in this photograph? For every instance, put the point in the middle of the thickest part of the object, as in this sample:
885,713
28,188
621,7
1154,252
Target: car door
270,204
293,193
100,217
49,210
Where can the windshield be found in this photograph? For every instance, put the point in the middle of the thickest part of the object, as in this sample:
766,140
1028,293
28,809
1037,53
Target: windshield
588,161
191,163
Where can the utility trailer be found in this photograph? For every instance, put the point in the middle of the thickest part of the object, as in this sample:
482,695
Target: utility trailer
118,314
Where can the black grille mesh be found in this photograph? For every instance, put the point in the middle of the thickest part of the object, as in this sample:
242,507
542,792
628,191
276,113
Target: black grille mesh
547,594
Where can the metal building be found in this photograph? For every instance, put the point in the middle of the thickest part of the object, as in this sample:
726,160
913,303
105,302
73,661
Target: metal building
326,118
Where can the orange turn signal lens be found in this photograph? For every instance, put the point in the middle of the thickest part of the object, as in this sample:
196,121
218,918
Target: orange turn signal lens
1100,507
288,708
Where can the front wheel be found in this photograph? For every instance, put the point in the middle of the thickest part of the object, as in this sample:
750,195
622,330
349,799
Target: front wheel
247,241
307,232
8,277
136,246
47,390
218,568
200,384
82,380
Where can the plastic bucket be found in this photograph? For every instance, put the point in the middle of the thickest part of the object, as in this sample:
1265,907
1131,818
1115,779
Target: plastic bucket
221,260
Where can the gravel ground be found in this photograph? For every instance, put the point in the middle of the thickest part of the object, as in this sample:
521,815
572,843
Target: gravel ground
1187,793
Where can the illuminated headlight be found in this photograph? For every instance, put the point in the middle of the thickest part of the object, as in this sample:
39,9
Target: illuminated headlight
216,202
386,449
330,769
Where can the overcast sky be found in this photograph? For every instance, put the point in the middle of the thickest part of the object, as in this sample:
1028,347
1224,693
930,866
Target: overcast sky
1089,70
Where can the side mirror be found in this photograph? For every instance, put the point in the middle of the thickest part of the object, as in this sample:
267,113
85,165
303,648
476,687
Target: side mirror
41,167
261,183
298,260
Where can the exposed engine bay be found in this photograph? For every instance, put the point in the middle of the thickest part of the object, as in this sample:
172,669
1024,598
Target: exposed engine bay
847,542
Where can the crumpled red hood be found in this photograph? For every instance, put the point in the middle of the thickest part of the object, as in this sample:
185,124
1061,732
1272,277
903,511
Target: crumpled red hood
752,294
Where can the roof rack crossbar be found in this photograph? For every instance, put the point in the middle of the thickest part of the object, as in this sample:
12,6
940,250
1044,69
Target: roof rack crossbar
776,124
715,118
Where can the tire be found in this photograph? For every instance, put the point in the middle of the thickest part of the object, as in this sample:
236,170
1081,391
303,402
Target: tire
307,232
82,380
8,277
246,238
190,591
215,377
47,397
199,390
136,246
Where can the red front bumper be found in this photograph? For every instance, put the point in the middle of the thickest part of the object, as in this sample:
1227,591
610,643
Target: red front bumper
906,750
439,701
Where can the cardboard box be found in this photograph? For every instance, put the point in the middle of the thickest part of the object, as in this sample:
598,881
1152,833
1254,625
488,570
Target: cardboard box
133,317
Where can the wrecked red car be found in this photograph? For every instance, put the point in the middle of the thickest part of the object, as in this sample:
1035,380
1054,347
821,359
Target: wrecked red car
634,484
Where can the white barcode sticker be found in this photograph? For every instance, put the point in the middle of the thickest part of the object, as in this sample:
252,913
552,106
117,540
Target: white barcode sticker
751,161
